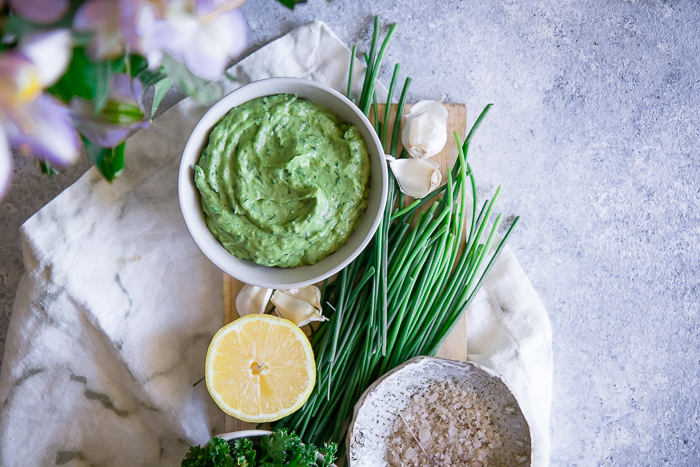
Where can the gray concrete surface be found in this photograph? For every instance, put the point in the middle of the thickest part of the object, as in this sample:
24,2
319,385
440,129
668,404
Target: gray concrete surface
594,136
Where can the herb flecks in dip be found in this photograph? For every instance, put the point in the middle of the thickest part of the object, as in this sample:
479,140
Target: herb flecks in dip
282,181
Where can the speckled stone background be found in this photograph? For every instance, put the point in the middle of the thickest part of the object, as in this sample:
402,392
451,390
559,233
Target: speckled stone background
594,136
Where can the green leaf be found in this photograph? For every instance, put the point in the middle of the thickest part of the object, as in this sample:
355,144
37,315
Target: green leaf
75,82
87,79
230,76
291,3
202,90
161,88
47,169
103,74
17,26
110,161
138,64
81,39
148,78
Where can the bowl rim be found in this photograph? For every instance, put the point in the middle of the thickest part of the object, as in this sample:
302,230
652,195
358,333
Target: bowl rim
192,212
242,434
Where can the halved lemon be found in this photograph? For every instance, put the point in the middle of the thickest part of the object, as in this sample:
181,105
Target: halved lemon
260,368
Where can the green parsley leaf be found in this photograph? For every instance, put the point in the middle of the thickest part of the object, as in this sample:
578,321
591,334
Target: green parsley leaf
329,452
274,447
216,453
280,449
303,456
243,453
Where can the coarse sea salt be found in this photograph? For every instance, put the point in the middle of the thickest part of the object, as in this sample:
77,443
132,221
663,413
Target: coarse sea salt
454,423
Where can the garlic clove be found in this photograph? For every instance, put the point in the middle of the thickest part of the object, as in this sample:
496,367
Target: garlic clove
310,294
416,177
296,310
252,300
424,133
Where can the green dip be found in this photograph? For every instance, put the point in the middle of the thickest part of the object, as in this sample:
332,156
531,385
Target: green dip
282,181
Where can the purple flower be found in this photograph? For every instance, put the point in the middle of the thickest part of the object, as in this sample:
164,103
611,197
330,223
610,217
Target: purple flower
104,19
203,35
47,132
40,11
121,116
33,122
50,52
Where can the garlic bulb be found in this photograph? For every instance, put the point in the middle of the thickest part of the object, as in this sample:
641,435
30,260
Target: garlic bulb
252,299
300,306
416,177
425,130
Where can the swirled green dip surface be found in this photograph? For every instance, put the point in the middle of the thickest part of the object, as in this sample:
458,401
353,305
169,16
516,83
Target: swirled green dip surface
282,181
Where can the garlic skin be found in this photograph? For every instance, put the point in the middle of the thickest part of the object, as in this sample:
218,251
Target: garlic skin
252,300
424,133
300,306
416,177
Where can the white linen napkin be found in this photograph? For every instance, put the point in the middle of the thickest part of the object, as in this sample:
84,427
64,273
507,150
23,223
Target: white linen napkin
115,312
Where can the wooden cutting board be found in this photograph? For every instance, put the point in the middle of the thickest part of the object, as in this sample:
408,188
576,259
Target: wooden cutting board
455,346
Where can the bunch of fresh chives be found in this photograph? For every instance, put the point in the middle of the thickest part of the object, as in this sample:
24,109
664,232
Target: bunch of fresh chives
403,295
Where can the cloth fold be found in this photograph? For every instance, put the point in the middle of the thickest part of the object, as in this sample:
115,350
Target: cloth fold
115,312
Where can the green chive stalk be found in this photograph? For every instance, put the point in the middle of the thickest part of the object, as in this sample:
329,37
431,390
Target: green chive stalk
404,294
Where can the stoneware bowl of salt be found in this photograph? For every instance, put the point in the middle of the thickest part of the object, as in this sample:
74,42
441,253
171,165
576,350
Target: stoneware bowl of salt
437,412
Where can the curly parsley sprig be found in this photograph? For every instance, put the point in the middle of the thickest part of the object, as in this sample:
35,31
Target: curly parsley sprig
279,449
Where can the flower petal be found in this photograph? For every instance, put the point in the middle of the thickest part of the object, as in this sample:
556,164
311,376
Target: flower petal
206,7
205,44
213,45
5,164
41,11
20,83
50,52
102,17
157,35
50,136
129,11
126,89
203,7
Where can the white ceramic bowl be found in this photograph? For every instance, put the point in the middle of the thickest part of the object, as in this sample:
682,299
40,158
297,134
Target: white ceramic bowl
377,409
274,277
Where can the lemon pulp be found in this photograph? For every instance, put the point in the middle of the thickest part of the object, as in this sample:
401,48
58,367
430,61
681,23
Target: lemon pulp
260,368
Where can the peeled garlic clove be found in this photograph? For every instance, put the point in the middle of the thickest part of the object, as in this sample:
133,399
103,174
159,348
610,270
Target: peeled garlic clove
252,300
310,294
425,130
416,177
296,310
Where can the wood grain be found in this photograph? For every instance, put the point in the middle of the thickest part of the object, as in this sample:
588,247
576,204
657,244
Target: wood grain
455,346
